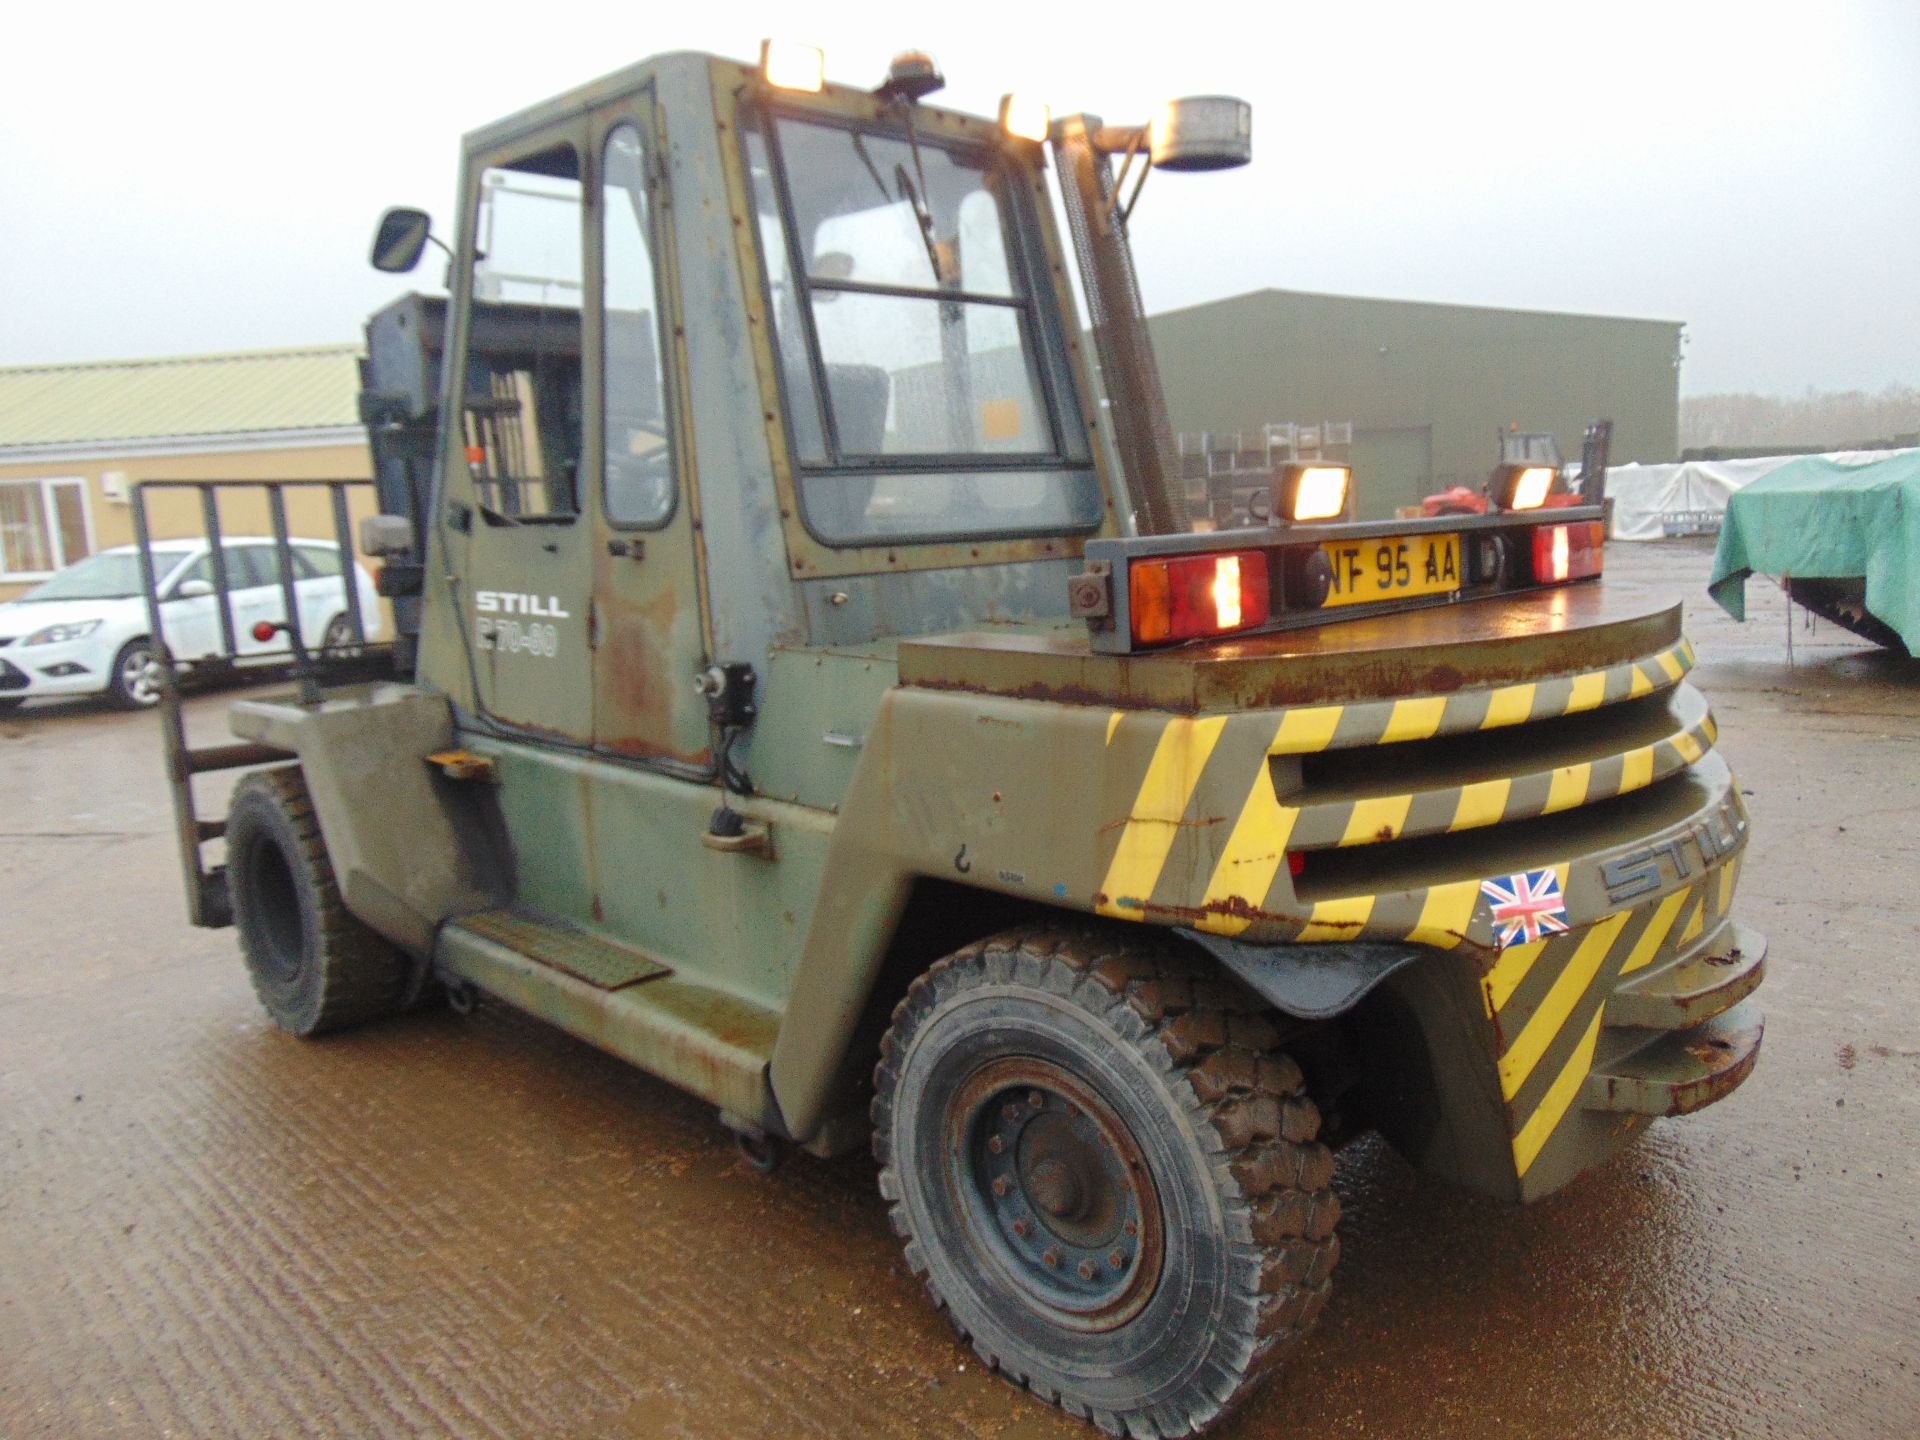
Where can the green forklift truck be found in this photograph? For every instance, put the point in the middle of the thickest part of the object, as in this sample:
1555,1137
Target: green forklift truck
808,690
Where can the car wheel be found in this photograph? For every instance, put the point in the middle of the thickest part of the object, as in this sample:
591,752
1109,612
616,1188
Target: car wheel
338,639
314,965
1106,1173
131,685
9,703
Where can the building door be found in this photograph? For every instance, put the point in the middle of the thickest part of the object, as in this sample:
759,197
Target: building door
1392,468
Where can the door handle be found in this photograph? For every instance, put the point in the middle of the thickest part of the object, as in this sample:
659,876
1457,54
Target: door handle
632,549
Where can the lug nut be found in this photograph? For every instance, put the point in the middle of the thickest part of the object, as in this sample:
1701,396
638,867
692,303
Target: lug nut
1036,1100
1002,1185
1117,1259
1132,1228
1020,1228
1010,1110
995,1144
1087,1270
1051,1259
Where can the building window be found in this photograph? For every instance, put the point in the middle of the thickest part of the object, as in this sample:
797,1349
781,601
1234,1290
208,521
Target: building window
43,526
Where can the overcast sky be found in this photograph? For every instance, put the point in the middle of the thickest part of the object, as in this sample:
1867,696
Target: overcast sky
184,178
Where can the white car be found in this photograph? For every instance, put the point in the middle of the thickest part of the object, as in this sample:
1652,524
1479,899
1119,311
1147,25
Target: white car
85,632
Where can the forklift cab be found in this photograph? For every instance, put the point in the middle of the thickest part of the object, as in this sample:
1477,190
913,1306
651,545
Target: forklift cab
641,489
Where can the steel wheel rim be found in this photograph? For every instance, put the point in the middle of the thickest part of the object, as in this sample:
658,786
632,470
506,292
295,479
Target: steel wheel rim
1056,1193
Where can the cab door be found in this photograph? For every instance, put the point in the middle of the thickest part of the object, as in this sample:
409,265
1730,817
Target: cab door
517,487
648,616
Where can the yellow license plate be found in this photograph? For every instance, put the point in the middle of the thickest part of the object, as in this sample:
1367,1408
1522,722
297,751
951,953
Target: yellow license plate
1393,567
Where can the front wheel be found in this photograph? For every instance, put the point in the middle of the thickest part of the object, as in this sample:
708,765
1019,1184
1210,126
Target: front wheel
1106,1173
131,685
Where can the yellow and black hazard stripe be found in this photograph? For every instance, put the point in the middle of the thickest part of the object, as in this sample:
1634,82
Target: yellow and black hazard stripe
1479,803
1206,835
1547,999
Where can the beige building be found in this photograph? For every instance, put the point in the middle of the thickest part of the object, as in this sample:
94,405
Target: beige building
76,440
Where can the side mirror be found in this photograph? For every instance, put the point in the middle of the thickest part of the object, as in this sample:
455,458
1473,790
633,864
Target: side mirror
400,239
386,537
192,589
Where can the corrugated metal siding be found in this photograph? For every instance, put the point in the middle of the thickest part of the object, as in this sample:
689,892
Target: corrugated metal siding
191,395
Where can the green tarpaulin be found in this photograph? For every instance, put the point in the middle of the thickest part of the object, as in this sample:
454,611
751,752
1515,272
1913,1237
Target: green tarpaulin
1813,519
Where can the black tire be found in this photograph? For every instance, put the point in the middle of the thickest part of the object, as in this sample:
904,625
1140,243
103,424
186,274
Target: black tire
1174,1114
314,966
127,686
10,703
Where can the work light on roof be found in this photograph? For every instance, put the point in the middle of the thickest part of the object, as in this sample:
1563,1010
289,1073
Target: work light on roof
786,65
913,75
1025,119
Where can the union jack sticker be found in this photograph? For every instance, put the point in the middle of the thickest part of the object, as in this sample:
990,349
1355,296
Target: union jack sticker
1526,907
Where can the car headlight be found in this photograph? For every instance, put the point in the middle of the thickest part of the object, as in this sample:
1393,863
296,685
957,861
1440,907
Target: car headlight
56,634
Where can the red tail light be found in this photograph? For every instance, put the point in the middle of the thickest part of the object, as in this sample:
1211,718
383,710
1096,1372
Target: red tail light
1190,596
1568,552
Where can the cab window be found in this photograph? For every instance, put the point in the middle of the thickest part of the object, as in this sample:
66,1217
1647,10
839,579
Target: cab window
522,408
639,461
925,392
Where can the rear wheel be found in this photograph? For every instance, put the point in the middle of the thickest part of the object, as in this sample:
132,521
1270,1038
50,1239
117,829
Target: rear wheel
314,966
1106,1173
338,639
131,685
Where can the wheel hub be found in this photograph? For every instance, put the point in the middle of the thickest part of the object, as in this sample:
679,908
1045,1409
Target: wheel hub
1059,1190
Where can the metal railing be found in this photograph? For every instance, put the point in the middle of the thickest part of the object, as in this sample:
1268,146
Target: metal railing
313,668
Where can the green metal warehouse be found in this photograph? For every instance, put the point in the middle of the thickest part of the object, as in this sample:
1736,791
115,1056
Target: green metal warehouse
1426,387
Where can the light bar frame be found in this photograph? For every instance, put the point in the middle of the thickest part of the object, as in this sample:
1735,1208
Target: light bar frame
1112,634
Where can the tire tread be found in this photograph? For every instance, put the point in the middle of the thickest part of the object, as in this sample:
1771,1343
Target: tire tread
362,976
1215,1041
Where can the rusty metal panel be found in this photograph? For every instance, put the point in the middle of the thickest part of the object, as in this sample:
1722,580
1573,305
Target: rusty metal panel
818,707
1423,653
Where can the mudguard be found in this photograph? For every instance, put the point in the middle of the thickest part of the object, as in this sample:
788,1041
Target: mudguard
1309,982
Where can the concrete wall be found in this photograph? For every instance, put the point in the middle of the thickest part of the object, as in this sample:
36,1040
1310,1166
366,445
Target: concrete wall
177,513
1426,386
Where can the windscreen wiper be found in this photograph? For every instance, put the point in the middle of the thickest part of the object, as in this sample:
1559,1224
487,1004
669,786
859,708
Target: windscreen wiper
925,216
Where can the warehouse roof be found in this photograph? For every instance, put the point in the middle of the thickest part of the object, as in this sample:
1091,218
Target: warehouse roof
311,388
1386,303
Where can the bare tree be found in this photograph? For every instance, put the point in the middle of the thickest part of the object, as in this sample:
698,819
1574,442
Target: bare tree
1823,420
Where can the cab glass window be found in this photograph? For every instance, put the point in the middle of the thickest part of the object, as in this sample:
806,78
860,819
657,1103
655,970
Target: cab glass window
522,408
639,474
926,394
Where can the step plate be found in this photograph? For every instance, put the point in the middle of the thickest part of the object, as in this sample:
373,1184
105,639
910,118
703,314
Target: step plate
1681,1071
1695,988
600,963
